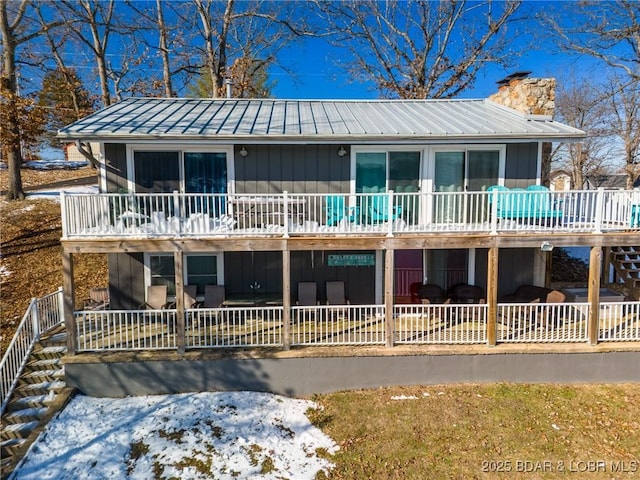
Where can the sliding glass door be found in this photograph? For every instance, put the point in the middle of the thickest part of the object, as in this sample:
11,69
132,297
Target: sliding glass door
459,171
379,172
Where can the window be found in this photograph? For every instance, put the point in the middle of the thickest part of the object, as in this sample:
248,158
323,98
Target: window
157,171
162,272
381,171
205,172
200,270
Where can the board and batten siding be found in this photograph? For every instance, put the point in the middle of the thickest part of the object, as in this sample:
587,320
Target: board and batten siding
312,266
270,169
244,269
126,280
515,269
116,167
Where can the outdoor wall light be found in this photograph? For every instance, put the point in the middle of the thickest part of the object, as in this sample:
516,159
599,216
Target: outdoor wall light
342,151
546,247
243,151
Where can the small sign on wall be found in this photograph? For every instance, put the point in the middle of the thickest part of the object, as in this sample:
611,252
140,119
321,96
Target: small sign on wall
352,260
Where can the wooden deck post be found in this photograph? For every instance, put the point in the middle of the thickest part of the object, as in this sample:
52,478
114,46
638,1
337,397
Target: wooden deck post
388,297
492,295
286,298
178,259
69,301
595,262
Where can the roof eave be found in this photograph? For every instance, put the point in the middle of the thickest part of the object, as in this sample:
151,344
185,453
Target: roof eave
350,139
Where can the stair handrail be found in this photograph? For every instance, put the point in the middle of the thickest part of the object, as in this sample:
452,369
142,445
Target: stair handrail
42,315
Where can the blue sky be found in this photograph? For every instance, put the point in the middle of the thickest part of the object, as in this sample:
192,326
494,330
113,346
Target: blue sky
319,77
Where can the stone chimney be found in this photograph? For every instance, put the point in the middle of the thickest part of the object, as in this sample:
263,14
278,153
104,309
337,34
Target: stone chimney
531,96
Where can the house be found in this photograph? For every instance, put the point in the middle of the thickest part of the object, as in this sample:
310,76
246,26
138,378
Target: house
595,181
361,199
560,180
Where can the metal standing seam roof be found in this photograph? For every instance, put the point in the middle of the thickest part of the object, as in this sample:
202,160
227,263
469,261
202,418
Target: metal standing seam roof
233,120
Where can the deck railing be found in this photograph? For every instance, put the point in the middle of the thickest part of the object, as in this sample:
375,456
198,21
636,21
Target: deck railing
452,324
391,213
233,327
338,325
542,323
42,315
445,324
619,322
125,330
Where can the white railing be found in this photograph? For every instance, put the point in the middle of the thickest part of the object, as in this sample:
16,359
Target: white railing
106,330
542,322
391,213
233,327
450,324
619,322
125,330
338,325
42,315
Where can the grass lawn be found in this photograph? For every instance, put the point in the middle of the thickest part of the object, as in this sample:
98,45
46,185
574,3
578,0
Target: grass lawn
484,431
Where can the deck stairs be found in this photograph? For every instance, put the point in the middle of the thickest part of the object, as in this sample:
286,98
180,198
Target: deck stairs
626,262
41,392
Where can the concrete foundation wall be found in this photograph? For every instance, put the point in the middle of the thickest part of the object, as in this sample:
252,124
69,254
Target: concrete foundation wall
305,376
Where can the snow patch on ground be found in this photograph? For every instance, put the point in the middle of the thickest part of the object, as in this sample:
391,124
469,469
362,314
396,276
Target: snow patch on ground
236,435
55,165
4,271
54,194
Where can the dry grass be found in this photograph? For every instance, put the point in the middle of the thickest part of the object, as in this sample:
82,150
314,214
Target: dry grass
474,431
33,178
31,262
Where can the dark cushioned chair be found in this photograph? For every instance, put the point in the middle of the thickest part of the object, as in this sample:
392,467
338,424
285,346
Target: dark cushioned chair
430,293
464,293
532,293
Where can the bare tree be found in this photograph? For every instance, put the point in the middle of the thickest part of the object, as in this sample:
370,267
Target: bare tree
624,107
418,49
582,104
254,30
608,31
168,31
92,23
17,29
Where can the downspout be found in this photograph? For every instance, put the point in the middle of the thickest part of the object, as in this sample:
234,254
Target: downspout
87,154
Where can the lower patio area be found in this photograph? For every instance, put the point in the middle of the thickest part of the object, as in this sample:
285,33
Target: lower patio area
355,325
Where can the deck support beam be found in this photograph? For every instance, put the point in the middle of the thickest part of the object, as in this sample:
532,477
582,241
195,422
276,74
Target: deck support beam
388,297
68,301
286,299
595,262
178,259
492,295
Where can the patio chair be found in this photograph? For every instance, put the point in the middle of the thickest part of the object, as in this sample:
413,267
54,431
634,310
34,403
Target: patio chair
378,209
413,292
337,211
189,297
156,298
464,293
430,293
335,294
214,296
98,299
307,294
